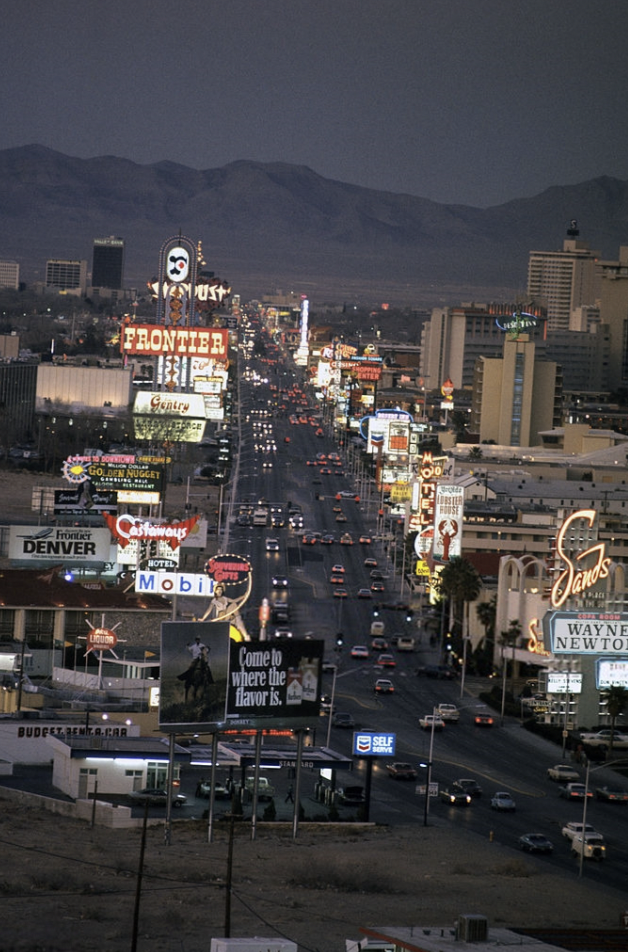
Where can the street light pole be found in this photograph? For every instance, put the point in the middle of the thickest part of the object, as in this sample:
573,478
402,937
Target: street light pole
426,808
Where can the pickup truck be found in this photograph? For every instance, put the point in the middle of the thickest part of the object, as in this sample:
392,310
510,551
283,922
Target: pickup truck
603,739
449,713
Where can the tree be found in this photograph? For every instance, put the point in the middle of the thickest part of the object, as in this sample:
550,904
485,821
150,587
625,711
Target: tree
486,612
459,582
616,700
510,639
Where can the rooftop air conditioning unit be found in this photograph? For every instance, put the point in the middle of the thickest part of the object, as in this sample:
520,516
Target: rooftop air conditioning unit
472,928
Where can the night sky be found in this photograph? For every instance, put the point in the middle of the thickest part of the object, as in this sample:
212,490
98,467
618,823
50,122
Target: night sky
466,101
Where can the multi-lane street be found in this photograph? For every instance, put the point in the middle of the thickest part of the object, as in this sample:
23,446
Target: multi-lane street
277,462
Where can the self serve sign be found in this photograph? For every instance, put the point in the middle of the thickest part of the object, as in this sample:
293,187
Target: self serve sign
371,744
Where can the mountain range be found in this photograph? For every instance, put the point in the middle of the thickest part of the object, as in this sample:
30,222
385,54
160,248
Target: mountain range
270,226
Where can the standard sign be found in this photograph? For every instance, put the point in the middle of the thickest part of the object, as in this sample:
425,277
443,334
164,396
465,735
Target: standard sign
67,545
596,633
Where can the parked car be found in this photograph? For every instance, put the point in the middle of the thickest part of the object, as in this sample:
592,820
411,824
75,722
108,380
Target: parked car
221,791
351,796
562,772
156,795
467,785
401,771
503,801
455,798
535,843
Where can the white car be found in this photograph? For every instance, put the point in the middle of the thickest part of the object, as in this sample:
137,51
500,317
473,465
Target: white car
575,829
449,713
562,773
359,651
272,545
432,722
503,801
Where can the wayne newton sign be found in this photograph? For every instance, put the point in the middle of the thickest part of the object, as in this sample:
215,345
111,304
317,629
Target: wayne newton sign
595,633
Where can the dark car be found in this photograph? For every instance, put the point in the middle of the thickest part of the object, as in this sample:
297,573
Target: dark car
343,719
351,796
401,771
612,794
455,798
156,795
440,671
466,785
535,843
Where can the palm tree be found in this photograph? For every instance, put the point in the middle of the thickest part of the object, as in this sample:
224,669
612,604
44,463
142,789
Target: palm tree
616,699
460,582
486,612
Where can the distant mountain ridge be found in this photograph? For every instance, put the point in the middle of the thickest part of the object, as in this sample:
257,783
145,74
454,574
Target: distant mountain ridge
275,225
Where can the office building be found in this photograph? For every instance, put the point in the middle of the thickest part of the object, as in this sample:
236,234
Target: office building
614,312
517,396
66,275
563,280
9,275
108,263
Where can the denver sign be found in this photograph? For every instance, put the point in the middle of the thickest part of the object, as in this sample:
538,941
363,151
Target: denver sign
156,340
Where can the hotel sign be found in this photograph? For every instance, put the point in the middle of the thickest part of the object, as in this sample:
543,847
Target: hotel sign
156,340
583,572
155,403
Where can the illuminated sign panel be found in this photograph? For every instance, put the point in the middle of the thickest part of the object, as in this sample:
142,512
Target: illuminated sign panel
611,673
133,476
372,744
68,545
156,340
174,583
592,633
448,516
564,682
169,404
127,529
583,572
173,430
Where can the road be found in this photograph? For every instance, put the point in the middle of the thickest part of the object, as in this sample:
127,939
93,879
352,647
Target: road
500,757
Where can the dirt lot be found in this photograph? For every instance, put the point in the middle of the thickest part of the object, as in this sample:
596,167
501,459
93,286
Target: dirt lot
67,887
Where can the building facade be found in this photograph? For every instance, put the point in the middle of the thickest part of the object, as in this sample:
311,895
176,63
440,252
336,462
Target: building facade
108,263
563,280
66,275
10,275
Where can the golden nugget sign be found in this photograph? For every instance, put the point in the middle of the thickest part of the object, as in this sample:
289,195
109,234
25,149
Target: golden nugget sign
157,340
592,564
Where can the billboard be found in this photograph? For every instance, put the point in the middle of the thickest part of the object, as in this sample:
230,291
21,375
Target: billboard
209,682
448,515
153,340
592,633
372,744
611,673
67,545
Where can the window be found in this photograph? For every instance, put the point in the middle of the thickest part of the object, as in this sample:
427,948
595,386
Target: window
38,628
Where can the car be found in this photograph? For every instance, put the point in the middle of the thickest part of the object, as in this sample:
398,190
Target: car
378,587
401,771
340,593
535,843
338,569
283,633
328,539
442,672
612,794
562,772
503,801
370,563
221,791
336,579
431,722
346,539
326,704
377,628
589,845
574,791
574,828
360,651
279,581
376,575
341,517
364,593
310,538
384,686
455,798
469,786
346,494
351,796
379,644
483,720
364,540
449,713
342,719
156,795
386,661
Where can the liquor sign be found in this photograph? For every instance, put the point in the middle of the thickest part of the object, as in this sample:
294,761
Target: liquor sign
448,516
127,528
101,639
591,633
592,563
67,545
374,744
155,340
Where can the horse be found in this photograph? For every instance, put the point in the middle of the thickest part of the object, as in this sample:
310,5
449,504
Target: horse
197,678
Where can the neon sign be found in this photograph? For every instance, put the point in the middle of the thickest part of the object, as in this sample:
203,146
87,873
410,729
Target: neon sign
574,581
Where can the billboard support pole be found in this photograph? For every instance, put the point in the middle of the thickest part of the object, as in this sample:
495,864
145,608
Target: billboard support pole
168,824
212,781
258,758
297,784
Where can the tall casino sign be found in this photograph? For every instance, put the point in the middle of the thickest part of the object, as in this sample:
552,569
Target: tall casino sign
185,345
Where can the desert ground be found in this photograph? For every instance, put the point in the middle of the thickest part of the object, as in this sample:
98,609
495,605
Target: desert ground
67,886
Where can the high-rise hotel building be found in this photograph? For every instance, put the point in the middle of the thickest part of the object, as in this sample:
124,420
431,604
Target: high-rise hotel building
563,280
108,263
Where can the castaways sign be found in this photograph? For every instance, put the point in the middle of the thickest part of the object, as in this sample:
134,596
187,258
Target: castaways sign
126,529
